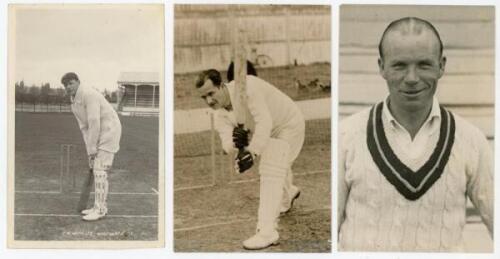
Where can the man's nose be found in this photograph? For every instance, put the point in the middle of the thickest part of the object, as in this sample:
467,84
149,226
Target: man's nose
411,77
209,100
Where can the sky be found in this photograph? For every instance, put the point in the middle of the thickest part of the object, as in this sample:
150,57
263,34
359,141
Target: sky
95,41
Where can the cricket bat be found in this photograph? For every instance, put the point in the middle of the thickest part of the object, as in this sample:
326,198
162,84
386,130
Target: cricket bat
240,71
85,191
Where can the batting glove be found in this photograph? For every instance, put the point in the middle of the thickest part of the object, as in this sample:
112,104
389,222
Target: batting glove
244,160
240,136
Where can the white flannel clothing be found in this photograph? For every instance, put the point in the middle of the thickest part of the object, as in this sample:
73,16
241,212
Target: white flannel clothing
269,113
374,216
98,121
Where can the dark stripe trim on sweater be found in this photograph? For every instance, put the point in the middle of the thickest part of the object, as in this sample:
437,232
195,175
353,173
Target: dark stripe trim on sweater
412,185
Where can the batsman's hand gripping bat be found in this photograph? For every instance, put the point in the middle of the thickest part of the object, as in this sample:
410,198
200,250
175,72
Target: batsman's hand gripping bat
240,137
244,160
85,192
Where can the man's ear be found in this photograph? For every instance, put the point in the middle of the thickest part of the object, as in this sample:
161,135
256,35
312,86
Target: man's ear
381,67
442,65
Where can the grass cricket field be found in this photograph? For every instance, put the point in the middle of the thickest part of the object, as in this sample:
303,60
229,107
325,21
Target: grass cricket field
46,197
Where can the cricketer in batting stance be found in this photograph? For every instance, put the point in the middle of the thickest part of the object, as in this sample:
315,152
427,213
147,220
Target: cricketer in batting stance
101,130
275,133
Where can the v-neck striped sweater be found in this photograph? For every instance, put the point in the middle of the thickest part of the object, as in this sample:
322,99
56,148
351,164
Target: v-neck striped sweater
374,216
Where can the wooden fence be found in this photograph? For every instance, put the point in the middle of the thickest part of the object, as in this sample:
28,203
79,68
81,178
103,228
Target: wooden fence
285,34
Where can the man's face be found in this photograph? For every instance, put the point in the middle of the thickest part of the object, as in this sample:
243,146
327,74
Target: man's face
213,96
412,67
71,87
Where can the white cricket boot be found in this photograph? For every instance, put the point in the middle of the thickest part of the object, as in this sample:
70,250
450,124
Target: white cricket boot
87,211
94,215
262,240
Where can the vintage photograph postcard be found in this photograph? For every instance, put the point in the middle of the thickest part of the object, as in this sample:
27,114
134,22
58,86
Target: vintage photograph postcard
86,123
252,160
416,131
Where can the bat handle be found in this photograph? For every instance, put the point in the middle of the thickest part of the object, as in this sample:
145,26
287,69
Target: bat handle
241,149
241,126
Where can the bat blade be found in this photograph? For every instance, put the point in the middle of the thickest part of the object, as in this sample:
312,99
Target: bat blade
240,69
85,191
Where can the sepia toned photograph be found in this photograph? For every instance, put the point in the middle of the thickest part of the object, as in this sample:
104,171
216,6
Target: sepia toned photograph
252,114
85,126
416,130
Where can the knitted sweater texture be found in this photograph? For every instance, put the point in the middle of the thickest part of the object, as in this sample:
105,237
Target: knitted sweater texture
374,216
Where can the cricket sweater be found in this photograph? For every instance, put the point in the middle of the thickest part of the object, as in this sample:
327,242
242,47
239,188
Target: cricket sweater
378,212
98,121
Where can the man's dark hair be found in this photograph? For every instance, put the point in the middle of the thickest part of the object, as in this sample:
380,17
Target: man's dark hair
230,70
409,25
68,77
211,74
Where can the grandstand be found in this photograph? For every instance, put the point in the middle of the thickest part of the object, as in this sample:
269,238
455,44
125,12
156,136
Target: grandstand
139,94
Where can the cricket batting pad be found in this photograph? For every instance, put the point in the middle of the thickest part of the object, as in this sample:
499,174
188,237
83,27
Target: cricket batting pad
273,168
101,190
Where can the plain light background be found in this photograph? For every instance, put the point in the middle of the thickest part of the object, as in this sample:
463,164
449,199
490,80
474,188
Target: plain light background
167,251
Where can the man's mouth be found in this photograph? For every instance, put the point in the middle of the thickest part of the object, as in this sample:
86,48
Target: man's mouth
412,93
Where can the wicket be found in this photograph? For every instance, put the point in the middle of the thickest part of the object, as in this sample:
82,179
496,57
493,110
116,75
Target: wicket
65,168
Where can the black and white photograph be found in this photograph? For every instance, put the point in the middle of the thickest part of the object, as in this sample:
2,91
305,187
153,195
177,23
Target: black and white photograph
416,131
86,126
252,114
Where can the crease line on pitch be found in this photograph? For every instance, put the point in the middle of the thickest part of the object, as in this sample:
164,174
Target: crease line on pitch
295,175
39,192
214,224
111,193
78,215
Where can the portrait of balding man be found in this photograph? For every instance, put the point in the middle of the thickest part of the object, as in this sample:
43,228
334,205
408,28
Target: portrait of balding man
407,164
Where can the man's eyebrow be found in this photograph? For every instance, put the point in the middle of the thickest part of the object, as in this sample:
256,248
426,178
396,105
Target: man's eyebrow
427,60
397,62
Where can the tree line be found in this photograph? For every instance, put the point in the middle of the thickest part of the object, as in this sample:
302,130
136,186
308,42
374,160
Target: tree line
44,94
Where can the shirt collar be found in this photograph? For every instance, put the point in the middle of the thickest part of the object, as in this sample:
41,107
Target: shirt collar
435,113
